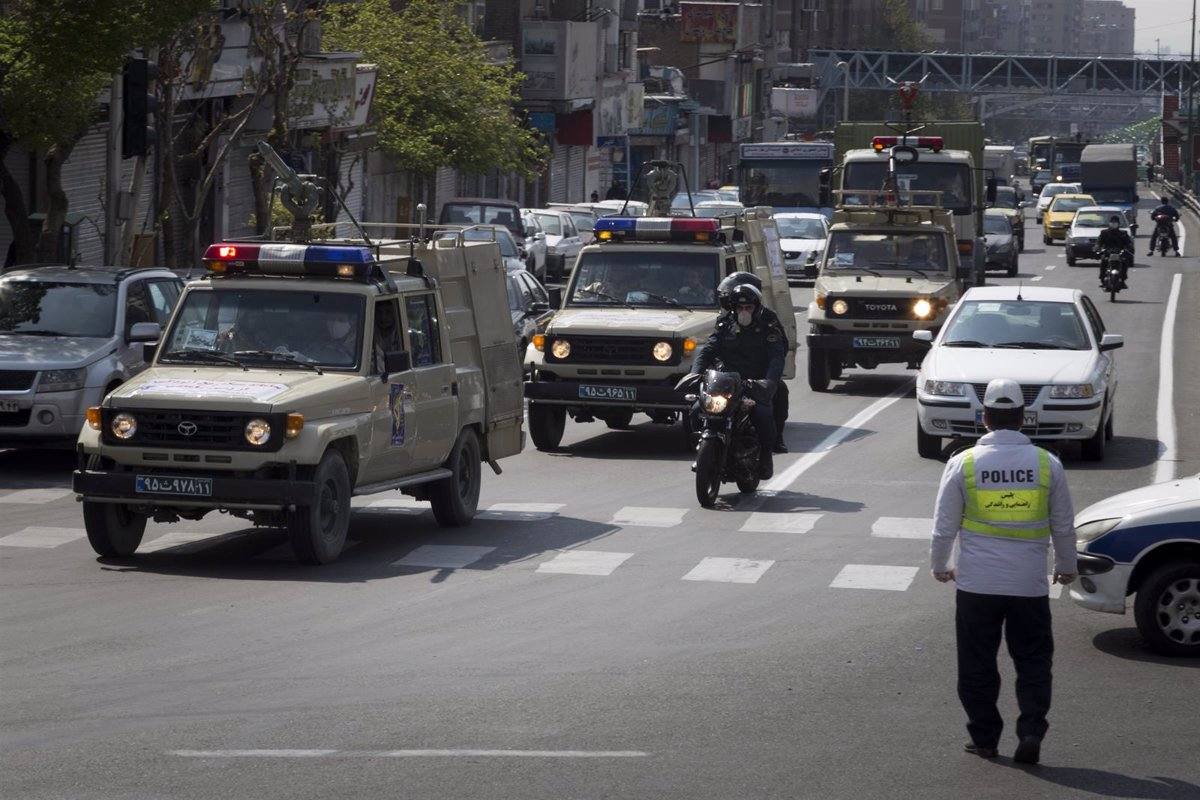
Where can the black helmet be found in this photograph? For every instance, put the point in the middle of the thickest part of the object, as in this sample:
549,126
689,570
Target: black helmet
746,293
725,288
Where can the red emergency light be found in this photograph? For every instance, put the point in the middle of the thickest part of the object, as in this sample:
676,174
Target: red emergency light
934,143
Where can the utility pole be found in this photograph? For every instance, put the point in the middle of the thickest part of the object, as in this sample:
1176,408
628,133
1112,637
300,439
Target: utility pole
1189,154
112,181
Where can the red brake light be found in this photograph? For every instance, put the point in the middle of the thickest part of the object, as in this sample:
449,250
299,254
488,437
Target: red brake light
692,224
880,142
934,143
217,256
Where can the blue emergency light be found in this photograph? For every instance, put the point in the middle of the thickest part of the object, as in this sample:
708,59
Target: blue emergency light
633,229
278,258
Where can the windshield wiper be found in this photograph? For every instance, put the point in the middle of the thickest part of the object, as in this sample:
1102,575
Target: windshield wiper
964,343
605,295
671,301
858,269
271,355
204,355
1033,346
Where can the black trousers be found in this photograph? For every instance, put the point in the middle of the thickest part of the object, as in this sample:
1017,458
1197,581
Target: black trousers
780,404
1025,622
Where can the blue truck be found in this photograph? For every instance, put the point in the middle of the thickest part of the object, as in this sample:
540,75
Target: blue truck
1109,173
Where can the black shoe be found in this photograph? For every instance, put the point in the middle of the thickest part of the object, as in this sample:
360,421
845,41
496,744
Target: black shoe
1150,253
1029,751
979,750
780,446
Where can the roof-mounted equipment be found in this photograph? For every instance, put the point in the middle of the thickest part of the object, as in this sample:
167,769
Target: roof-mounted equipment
705,230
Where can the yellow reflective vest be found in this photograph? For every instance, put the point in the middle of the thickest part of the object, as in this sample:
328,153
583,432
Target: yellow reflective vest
1018,510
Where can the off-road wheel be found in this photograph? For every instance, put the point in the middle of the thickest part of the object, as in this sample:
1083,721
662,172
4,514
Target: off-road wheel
546,426
748,486
1167,609
318,531
819,370
456,498
1070,259
708,472
619,420
928,445
114,531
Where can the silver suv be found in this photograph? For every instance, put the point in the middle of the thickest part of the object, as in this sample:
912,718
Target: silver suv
68,336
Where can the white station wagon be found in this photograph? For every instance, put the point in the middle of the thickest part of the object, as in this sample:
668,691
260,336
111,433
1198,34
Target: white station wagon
1049,340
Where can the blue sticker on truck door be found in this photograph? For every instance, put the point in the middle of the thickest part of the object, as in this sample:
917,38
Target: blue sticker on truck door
396,395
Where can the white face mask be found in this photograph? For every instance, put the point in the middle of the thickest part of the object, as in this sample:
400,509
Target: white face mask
744,318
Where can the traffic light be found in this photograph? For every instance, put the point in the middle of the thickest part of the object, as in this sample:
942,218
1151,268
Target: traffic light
137,105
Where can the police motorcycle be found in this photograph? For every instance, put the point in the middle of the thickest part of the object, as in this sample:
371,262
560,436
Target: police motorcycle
728,450
1110,272
1164,231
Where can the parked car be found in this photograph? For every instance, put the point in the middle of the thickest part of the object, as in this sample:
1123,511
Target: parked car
1085,230
1061,213
583,216
681,205
562,240
1001,244
69,336
718,208
535,244
508,247
1050,340
1048,193
485,211
528,302
1145,543
802,237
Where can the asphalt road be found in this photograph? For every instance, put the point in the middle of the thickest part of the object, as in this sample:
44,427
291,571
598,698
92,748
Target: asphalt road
595,634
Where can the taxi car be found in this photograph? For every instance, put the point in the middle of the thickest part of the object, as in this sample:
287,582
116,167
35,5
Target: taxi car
1050,340
1048,193
1145,543
1085,230
1060,213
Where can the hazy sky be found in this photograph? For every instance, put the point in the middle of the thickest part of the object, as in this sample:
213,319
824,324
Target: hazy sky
1167,20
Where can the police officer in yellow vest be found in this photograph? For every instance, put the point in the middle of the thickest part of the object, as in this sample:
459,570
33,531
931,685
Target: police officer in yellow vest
1005,501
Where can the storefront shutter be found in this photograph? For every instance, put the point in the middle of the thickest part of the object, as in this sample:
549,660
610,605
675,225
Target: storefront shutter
559,166
576,174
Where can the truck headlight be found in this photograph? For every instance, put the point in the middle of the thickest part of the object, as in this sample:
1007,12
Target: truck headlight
123,426
1091,531
945,388
662,351
62,380
258,431
560,349
1072,391
922,308
839,307
715,403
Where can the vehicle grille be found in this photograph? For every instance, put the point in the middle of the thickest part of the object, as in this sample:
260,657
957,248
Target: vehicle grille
876,307
1033,432
15,419
12,380
613,350
1030,392
215,430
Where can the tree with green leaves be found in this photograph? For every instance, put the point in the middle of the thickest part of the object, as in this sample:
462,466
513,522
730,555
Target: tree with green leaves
439,101
56,58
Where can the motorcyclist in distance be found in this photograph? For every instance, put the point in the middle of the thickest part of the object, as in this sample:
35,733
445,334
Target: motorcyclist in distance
1116,240
1168,211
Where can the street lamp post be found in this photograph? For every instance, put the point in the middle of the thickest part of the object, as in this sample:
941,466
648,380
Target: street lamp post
845,68
1189,154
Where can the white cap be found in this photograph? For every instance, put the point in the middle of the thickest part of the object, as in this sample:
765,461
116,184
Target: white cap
1003,393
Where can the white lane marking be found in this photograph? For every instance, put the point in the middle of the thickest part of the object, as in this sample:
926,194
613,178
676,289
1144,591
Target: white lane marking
729,570
1164,470
1051,266
443,556
648,517
191,540
766,522
785,479
409,753
874,576
42,537
35,496
902,528
1036,278
584,562
1182,238
1061,255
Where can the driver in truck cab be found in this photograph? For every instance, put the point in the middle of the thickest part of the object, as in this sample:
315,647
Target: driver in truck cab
750,343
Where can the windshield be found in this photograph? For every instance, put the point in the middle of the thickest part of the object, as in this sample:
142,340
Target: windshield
53,308
1112,195
953,180
550,223
1095,219
780,183
1018,324
1006,198
1071,203
1051,189
995,224
515,301
680,201
730,195
800,228
323,328
1043,175
478,213
646,278
886,251
584,222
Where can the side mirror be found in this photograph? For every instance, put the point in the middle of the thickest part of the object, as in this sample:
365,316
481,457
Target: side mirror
1111,341
538,308
555,296
923,336
149,350
991,190
144,332
396,361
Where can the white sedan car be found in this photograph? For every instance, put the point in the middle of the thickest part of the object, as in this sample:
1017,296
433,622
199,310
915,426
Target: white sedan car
1049,191
562,240
1085,230
1049,340
802,237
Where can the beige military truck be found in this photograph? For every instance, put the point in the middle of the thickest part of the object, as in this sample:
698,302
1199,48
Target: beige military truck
638,304
296,375
891,266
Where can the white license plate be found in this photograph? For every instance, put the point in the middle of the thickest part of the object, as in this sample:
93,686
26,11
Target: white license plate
9,407
884,342
588,392
168,484
1030,420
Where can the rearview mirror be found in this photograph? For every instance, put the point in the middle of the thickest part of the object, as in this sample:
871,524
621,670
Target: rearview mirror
396,361
923,336
144,332
1111,341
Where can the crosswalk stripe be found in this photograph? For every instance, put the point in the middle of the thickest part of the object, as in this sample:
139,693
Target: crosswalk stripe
766,522
42,537
729,570
874,576
35,496
188,541
648,517
443,556
902,528
520,512
404,505
584,562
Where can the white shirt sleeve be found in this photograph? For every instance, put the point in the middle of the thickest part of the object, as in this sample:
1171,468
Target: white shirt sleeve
1062,519
947,515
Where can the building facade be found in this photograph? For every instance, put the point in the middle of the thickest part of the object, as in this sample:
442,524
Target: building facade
1108,28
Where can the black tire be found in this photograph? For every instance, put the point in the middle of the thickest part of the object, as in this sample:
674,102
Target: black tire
748,486
455,499
1012,268
1046,239
1092,448
1112,295
546,426
835,366
1109,433
318,531
708,472
113,530
1171,591
818,370
928,445
1070,259
619,420
1020,244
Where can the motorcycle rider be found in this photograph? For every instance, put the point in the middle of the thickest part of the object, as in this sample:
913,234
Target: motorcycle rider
1168,211
1114,239
750,343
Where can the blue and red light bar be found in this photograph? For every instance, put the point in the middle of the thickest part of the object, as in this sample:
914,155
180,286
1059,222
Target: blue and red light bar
934,143
274,258
659,229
